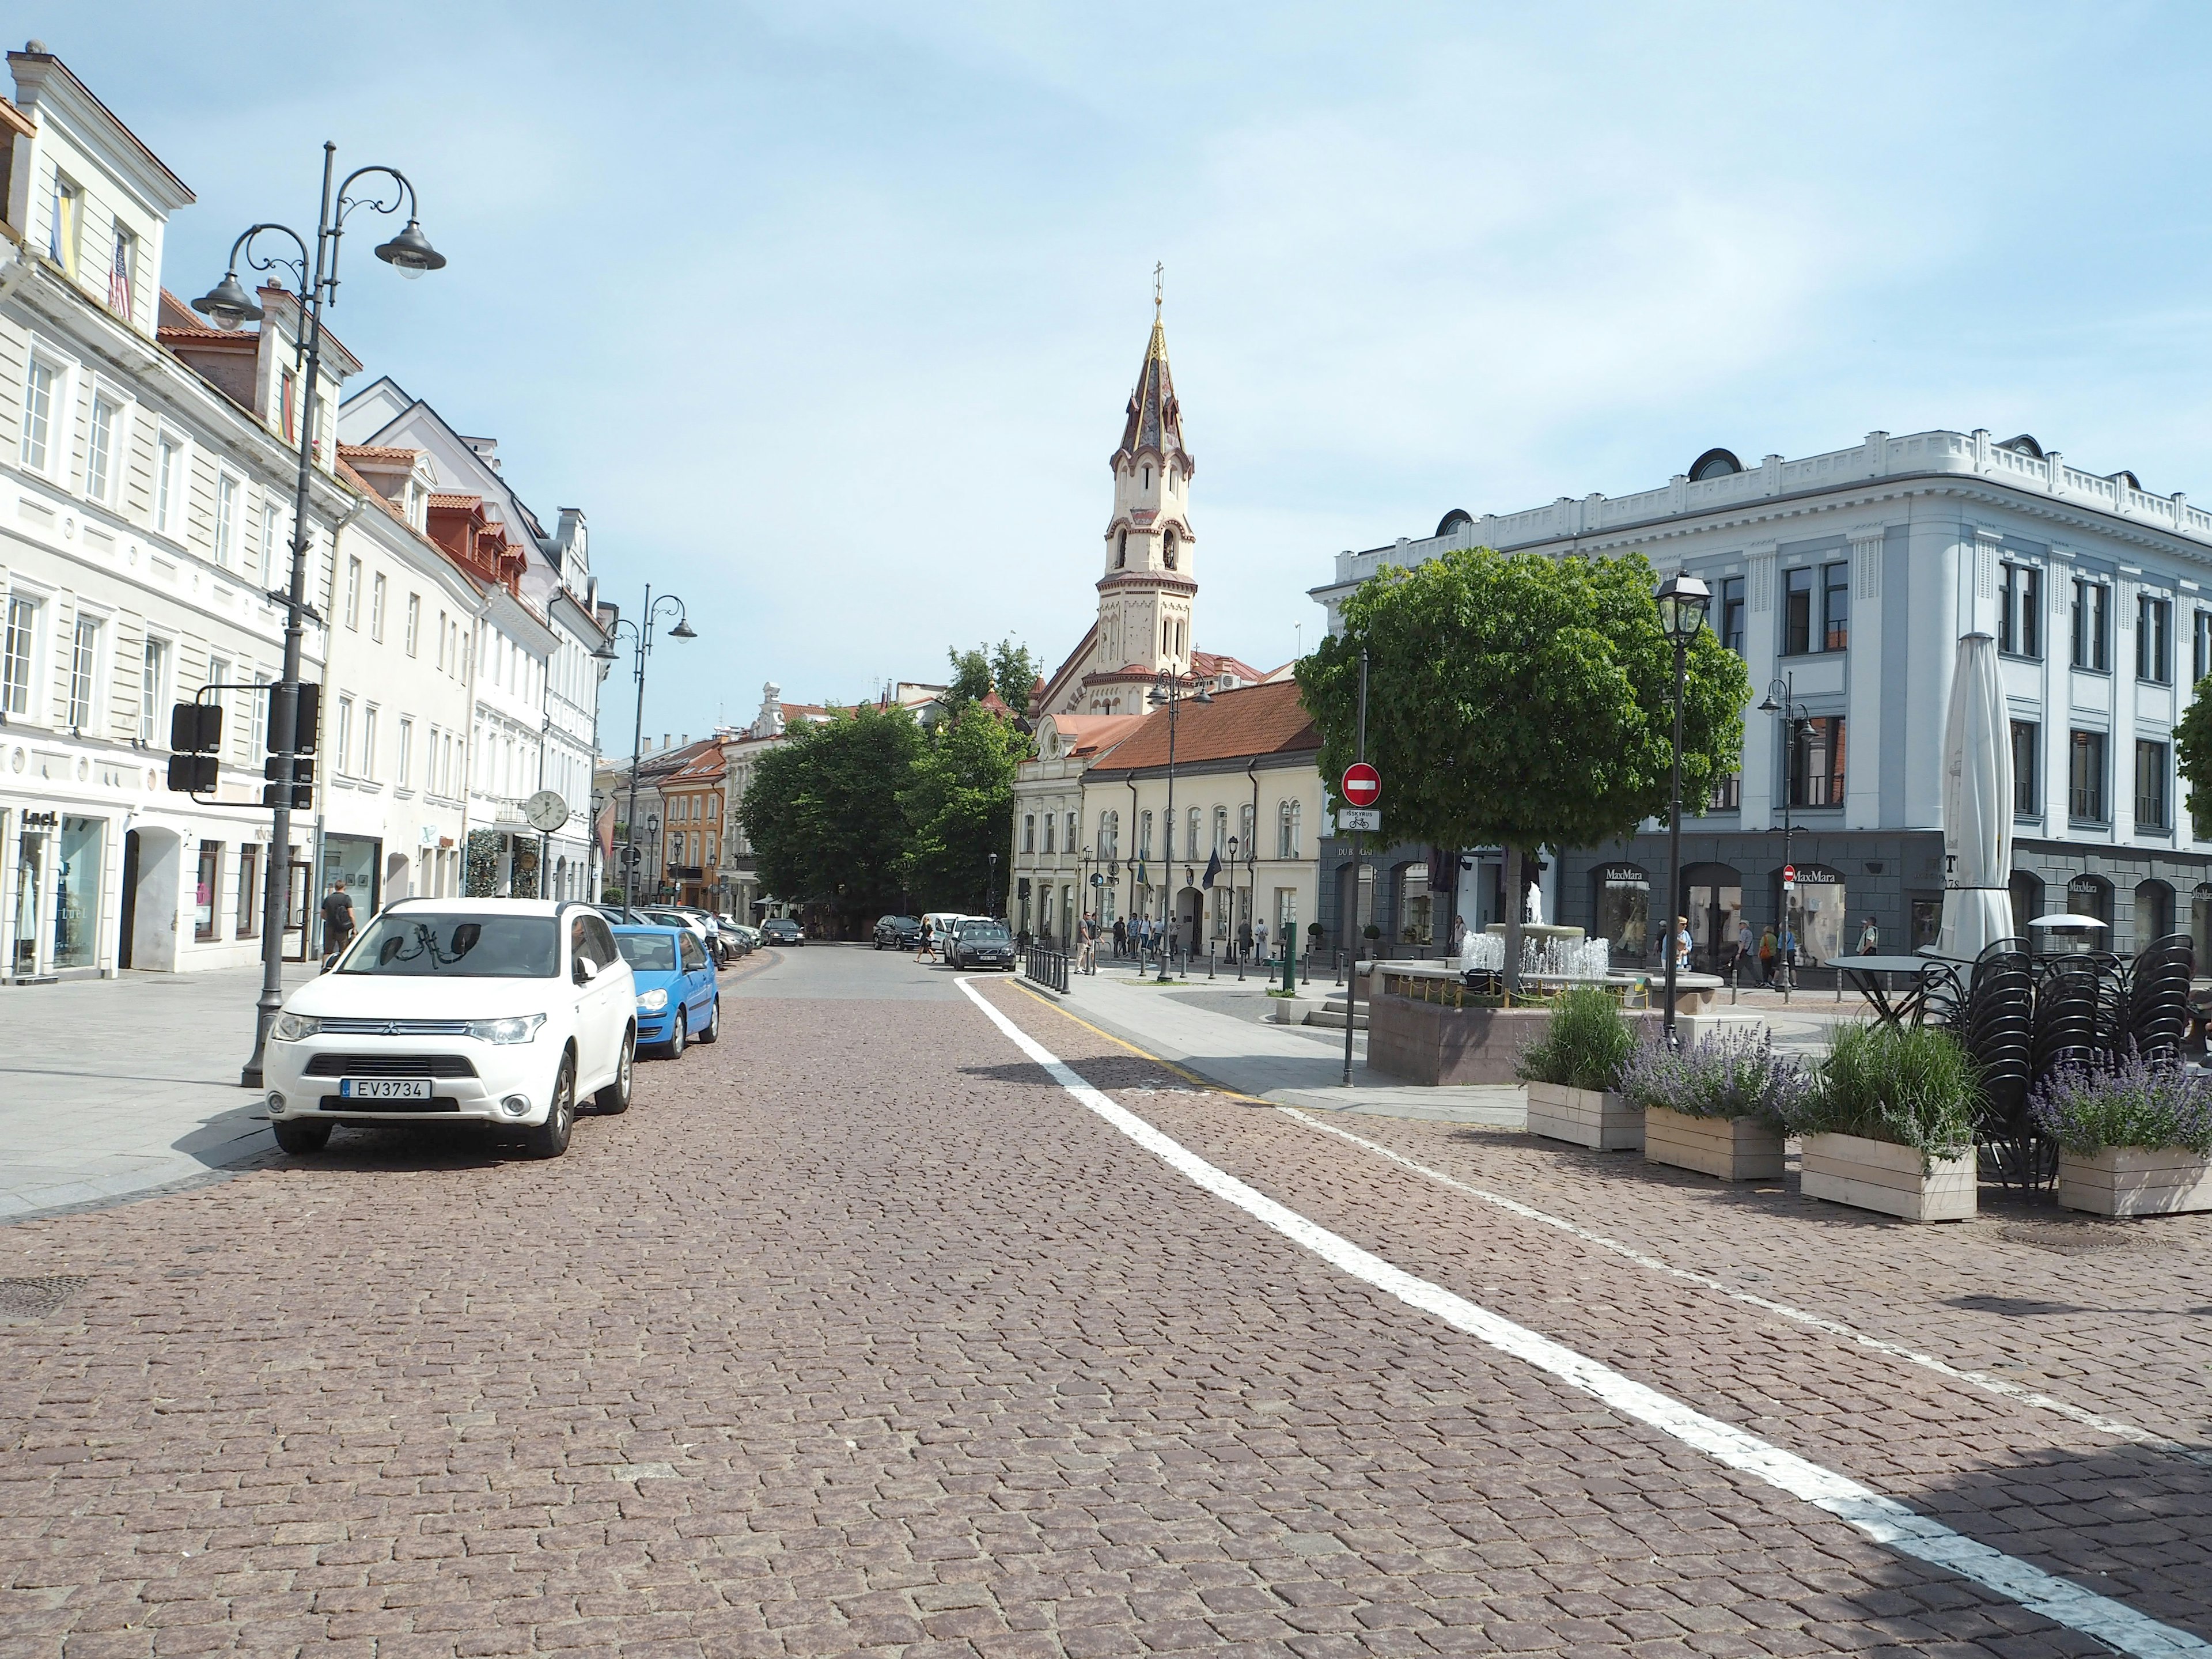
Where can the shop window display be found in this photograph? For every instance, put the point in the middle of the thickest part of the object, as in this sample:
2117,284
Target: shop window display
76,892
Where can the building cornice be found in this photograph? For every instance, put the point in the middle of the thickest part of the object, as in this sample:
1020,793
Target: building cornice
1163,581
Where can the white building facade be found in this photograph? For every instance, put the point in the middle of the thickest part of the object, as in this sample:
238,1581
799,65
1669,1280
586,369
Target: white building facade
1846,580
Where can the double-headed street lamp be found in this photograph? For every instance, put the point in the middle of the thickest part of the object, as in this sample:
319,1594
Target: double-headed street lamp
229,306
1170,690
1782,699
641,630
1682,601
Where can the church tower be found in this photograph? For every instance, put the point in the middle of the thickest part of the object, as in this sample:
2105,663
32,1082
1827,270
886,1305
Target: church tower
1145,594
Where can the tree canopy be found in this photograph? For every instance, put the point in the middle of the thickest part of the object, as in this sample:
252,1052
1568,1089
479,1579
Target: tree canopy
1521,700
822,814
958,806
2192,753
1005,668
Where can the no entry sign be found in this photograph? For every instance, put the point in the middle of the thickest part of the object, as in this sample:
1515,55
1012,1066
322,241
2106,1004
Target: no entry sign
1363,785
1788,875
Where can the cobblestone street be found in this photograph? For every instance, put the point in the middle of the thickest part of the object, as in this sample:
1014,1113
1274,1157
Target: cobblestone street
862,1333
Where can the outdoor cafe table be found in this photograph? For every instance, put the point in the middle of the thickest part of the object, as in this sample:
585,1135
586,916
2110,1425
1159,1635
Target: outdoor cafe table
1909,1004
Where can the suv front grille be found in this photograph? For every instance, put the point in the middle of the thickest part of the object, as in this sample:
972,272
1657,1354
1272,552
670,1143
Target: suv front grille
390,1066
395,1027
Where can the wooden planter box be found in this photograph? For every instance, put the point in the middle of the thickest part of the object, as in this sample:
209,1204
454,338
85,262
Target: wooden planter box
2130,1181
1878,1175
1733,1148
1595,1118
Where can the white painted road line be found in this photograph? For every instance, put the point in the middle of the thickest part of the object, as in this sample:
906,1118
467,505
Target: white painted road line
1882,1519
2003,1387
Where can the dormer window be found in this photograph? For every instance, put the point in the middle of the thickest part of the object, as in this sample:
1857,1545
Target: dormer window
62,234
122,262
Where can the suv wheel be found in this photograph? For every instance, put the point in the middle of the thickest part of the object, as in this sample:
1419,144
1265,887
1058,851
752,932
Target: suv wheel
712,1028
678,1036
614,1099
551,1137
296,1136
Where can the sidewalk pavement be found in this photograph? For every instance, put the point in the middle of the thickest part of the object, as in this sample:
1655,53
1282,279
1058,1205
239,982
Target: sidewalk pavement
111,1087
1216,1028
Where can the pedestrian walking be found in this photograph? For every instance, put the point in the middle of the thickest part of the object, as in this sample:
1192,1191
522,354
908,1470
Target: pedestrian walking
1244,939
1120,936
928,947
338,918
1260,937
1789,952
1746,950
1767,957
1086,959
1869,939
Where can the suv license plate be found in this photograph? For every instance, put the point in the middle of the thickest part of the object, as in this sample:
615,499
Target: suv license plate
384,1088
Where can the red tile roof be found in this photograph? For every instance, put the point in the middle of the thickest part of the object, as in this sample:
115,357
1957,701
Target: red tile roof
1256,720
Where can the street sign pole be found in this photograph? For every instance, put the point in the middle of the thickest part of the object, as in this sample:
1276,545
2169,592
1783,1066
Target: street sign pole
1352,985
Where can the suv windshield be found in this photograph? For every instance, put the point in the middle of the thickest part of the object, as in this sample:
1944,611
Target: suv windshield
650,953
462,947
978,932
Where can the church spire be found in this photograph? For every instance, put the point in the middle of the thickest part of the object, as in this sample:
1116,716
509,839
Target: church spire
1154,417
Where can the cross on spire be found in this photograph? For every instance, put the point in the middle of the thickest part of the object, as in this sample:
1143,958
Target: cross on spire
1159,283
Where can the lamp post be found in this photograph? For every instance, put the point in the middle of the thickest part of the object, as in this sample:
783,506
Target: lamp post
991,888
1170,690
1681,601
228,306
640,628
1234,843
1782,699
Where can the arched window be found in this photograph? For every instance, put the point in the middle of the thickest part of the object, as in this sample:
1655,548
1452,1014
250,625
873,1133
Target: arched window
1286,830
1169,550
1110,835
1246,829
2154,913
1122,551
1144,835
1190,823
1221,830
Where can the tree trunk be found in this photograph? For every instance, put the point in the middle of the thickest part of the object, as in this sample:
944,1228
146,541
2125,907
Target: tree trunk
1516,906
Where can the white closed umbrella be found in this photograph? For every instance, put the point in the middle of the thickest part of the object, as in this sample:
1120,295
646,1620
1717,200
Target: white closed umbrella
1977,804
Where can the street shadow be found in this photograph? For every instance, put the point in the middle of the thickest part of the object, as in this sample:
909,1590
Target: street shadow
405,1147
2133,1523
1106,1073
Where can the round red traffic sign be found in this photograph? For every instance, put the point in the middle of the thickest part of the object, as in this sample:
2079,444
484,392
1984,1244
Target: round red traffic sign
1363,784
1788,875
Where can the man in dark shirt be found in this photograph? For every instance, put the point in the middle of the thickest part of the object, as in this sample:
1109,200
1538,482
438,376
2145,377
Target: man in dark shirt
338,918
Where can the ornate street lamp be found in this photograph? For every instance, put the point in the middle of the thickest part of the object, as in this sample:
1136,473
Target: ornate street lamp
229,306
641,631
1782,699
1170,690
1682,601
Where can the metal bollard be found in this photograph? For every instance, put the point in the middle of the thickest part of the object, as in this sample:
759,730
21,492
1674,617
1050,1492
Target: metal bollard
1210,971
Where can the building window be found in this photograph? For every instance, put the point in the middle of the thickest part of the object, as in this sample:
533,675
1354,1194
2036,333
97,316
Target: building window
1286,830
1072,826
61,232
37,415
204,895
153,688
121,260
1836,606
257,742
1732,613
369,742
1221,831
287,397
268,540
2092,616
2019,611
2027,783
353,594
249,883
342,762
84,660
2202,663
1050,819
1122,551
1796,612
15,652
1816,762
226,517
2086,778
1028,832
167,486
1727,793
2155,640
1144,836
2150,787
414,620
100,452
376,607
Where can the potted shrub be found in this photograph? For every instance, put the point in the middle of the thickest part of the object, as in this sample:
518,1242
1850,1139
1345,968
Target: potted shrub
1573,1074
1717,1107
1890,1125
2134,1137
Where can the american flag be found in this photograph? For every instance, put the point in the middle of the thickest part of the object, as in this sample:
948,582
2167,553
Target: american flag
119,282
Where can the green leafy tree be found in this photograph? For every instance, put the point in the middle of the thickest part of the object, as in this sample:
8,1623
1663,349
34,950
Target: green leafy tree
2192,753
823,813
1014,671
958,806
971,677
1521,700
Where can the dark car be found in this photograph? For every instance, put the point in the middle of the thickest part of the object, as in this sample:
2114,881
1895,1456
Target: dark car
782,930
899,933
983,944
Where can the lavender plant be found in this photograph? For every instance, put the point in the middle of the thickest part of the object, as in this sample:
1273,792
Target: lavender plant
1734,1075
2128,1101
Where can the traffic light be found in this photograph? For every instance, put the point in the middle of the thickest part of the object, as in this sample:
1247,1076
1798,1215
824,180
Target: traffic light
195,741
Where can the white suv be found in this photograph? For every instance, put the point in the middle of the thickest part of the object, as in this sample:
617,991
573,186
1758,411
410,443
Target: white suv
458,1011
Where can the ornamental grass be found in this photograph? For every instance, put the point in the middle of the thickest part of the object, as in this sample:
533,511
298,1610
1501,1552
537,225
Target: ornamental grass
1584,1044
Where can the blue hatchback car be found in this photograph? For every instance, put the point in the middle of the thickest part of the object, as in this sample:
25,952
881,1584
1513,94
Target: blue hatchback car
678,1001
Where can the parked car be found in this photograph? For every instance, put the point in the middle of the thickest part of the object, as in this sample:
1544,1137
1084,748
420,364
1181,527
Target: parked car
500,1011
666,915
782,930
737,936
982,943
899,933
676,1000
751,935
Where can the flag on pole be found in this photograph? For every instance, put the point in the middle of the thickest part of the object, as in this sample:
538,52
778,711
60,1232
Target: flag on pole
604,829
1212,869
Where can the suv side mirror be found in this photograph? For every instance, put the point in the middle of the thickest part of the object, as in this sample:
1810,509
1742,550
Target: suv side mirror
586,970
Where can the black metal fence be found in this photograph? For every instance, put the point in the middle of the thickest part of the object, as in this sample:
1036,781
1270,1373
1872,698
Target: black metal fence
1046,967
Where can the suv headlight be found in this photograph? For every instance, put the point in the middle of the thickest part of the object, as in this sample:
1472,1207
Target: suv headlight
521,1028
652,1002
291,1028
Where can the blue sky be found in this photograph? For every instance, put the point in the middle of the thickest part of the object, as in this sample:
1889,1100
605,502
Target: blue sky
825,315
